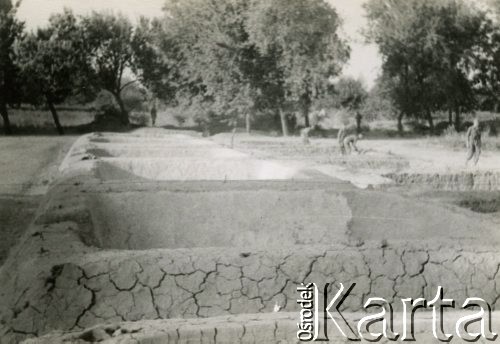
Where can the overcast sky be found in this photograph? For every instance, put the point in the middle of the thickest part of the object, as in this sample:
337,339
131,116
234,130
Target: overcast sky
364,64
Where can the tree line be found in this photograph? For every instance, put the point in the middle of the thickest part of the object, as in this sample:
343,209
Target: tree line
233,60
438,55
70,57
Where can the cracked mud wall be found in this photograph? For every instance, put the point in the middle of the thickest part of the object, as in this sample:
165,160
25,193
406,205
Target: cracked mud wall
69,291
59,278
78,267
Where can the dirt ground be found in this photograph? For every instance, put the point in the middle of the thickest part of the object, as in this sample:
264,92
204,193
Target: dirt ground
265,328
159,225
415,155
29,164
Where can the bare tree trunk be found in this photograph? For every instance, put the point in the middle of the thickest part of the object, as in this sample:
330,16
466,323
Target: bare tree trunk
284,126
458,123
248,123
5,116
450,116
306,106
123,111
400,123
55,116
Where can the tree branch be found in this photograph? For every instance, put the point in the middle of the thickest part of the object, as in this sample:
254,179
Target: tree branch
128,84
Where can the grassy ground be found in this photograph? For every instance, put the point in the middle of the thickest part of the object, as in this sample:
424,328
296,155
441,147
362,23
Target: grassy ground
28,165
43,119
26,121
457,141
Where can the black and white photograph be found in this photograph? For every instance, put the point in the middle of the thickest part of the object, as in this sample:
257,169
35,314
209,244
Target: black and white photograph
249,171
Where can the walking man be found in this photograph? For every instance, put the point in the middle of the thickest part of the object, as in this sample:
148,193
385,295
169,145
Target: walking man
473,143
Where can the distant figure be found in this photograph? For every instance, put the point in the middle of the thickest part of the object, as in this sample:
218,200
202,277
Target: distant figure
154,113
305,135
473,143
350,143
306,132
359,118
341,137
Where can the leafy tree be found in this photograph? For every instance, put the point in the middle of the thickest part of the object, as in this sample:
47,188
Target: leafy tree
10,30
379,103
53,63
229,63
349,93
216,70
464,34
109,42
155,61
488,76
400,30
430,49
302,38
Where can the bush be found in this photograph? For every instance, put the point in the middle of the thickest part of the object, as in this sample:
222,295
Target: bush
270,121
442,127
450,132
141,119
419,128
135,98
180,119
491,128
108,111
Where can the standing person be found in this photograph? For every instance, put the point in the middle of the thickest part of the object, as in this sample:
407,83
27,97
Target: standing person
341,137
154,113
473,142
350,143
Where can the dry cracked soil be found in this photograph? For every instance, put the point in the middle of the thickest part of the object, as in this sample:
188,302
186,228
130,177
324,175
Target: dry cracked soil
155,237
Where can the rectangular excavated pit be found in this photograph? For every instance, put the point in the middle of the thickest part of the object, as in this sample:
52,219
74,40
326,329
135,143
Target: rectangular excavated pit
193,169
260,218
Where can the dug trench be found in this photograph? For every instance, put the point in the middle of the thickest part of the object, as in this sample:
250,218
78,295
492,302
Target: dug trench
113,246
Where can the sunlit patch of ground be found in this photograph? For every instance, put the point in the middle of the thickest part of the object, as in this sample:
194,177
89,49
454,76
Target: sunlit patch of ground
413,159
28,165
